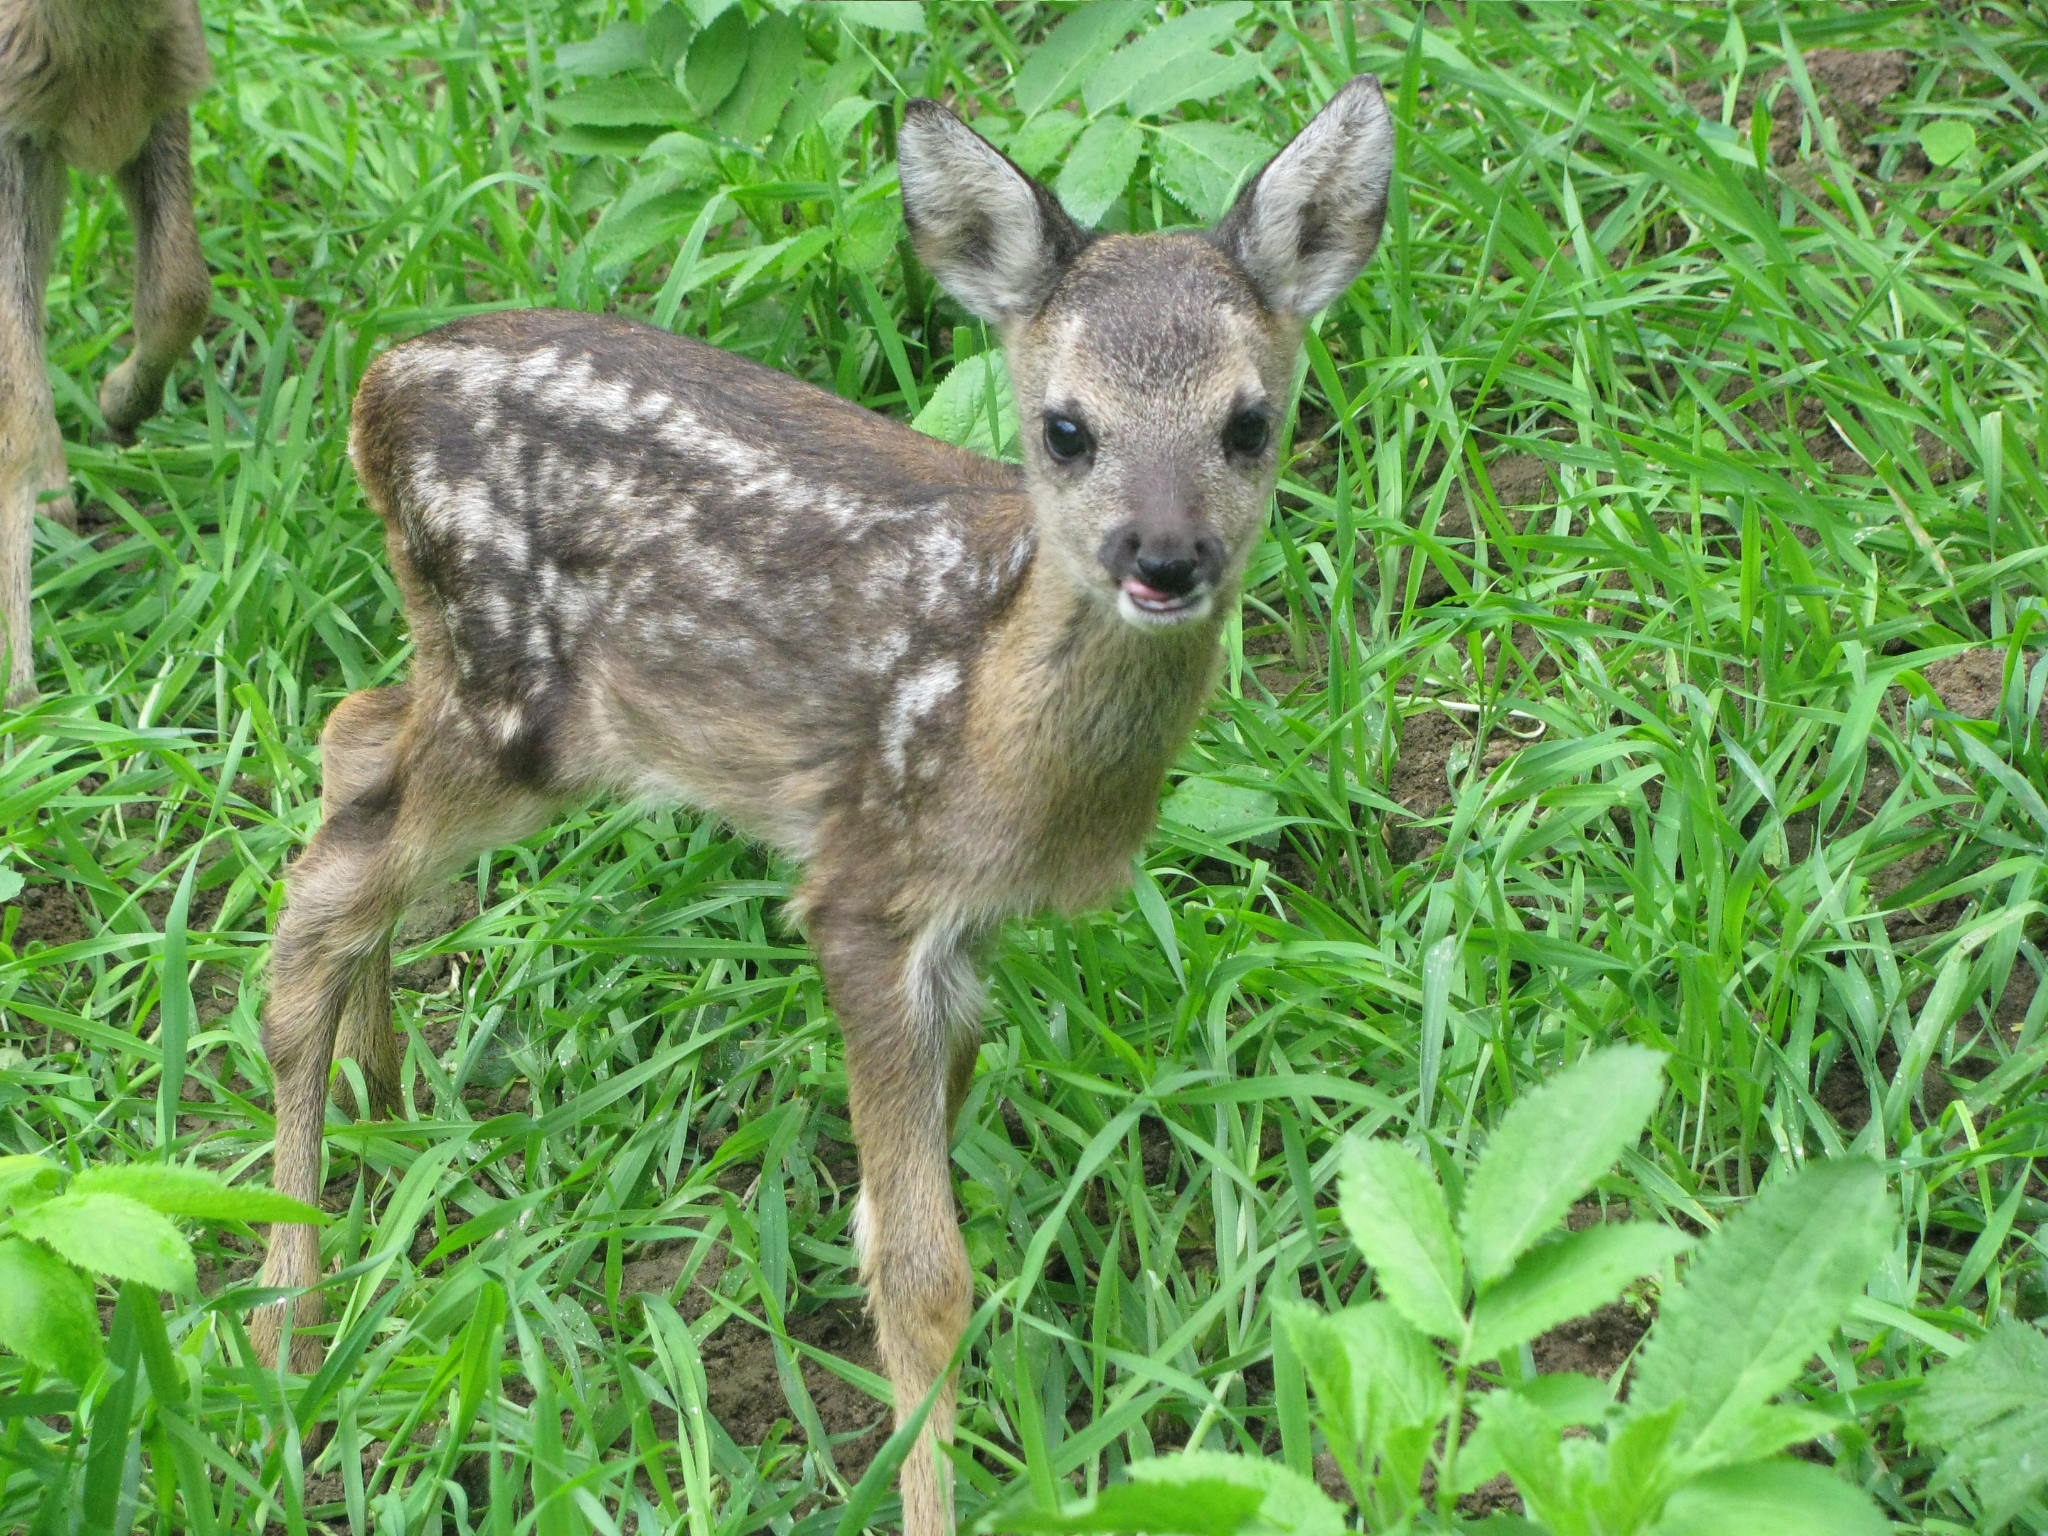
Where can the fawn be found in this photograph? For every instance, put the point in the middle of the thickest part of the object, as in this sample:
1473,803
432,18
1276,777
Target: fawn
101,85
951,687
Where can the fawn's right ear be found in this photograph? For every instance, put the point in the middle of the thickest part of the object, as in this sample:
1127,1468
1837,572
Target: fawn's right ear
994,238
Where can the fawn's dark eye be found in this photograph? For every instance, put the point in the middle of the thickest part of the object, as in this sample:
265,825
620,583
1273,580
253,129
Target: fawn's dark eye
1247,434
1066,439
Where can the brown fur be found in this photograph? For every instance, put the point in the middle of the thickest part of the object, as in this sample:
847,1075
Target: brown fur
637,565
101,85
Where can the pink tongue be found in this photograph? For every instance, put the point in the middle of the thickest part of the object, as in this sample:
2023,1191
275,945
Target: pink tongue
1144,594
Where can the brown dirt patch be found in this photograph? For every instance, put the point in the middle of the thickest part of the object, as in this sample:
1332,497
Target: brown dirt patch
432,917
1598,1344
50,915
1850,86
1521,484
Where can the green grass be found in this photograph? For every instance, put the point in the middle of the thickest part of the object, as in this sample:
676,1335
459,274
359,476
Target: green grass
1724,791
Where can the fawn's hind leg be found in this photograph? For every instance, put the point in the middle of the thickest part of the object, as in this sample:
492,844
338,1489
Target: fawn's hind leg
358,750
172,291
31,449
407,801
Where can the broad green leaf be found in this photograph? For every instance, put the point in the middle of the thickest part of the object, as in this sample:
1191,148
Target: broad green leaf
775,55
1551,1145
1203,163
1374,1376
1291,1504
46,1311
195,1193
1205,77
1227,812
1052,71
1771,1498
1764,1429
113,1235
26,1179
621,104
882,15
958,410
10,883
1566,1279
1039,142
1988,1411
1762,1295
716,60
618,48
1397,1216
1521,1441
1099,167
842,117
1138,64
1947,139
1562,1399
1196,1507
691,160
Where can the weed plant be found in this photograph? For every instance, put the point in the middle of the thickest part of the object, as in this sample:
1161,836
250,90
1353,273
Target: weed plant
1648,650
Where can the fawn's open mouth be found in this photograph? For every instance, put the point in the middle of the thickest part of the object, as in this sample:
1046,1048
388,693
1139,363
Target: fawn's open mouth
1148,606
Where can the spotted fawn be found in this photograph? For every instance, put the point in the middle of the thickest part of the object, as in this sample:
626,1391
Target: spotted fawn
951,688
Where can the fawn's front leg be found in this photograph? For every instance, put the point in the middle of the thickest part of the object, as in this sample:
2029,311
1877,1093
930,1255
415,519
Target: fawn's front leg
31,451
908,1005
172,291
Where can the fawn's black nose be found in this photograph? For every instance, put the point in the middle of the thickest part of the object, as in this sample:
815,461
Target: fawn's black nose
1172,574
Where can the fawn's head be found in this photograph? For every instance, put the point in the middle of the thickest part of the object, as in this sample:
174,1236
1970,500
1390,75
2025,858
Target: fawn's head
1151,371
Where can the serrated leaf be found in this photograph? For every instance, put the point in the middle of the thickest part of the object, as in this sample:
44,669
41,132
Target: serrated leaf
1763,1294
1053,70
1226,812
1397,1217
1138,63
1988,1410
1560,1400
842,117
619,47
1559,1281
621,104
1764,1429
1771,1498
958,410
883,15
716,60
1038,143
775,54
46,1311
1202,164
1551,1145
1197,1507
1205,77
1100,166
195,1193
1374,1375
112,1235
1947,139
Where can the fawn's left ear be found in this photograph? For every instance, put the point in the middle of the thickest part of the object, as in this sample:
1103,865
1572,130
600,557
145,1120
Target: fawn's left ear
994,238
1310,220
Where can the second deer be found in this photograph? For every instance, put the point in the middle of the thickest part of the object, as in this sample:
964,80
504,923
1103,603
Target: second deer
952,688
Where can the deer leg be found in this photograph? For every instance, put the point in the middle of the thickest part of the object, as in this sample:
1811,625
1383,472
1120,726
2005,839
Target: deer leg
902,1004
375,851
31,450
173,293
358,749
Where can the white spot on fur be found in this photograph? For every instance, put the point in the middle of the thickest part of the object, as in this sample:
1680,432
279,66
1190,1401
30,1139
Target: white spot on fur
915,697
